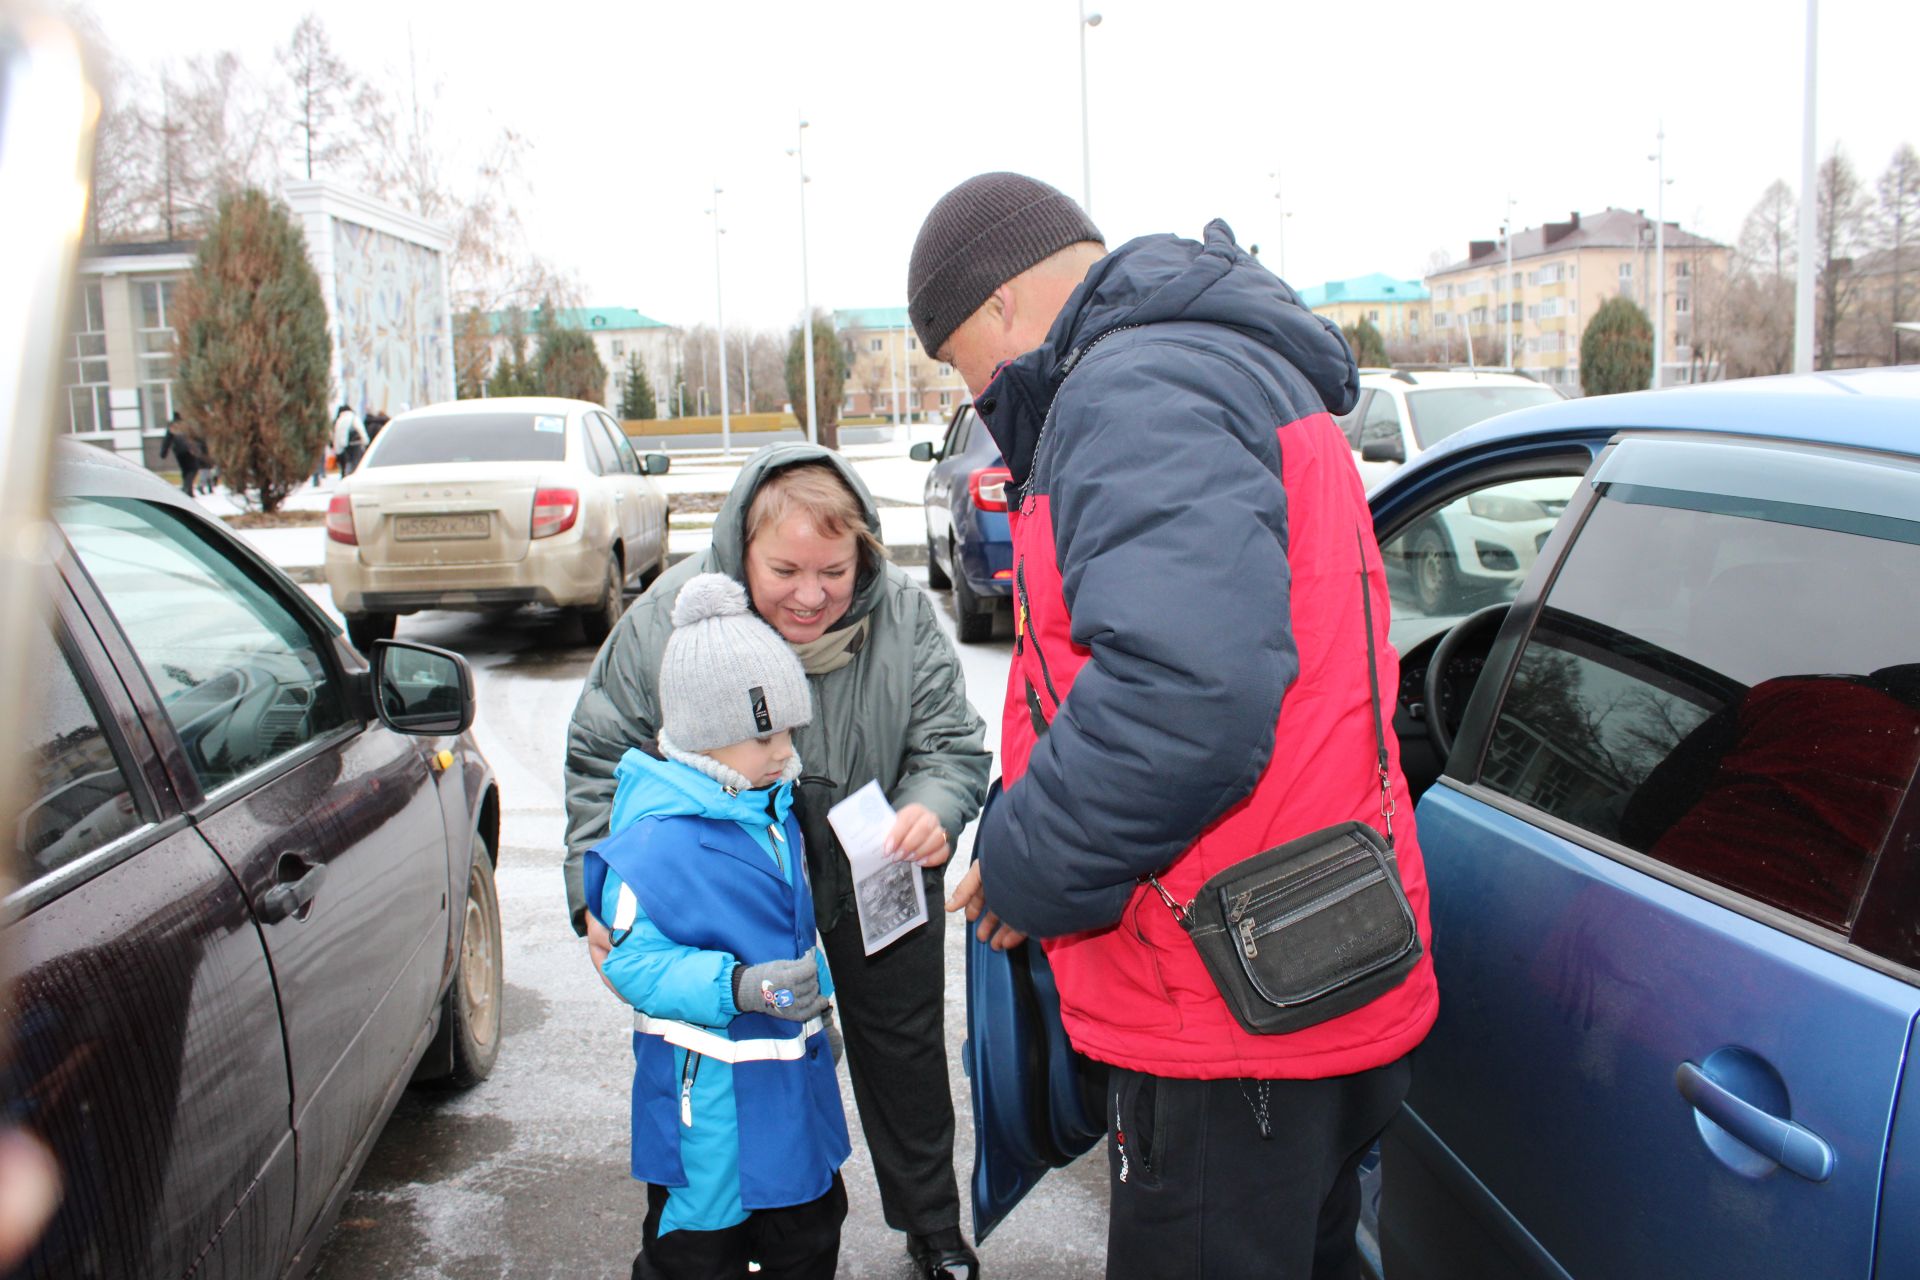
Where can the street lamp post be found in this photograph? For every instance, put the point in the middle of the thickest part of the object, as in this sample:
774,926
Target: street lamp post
799,152
1086,149
720,310
1659,157
1279,195
1506,228
1803,276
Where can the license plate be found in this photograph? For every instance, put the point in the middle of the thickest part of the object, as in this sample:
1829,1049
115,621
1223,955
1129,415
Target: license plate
420,528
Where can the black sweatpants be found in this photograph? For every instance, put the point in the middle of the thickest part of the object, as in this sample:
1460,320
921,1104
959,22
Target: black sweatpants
1198,1192
800,1243
892,1012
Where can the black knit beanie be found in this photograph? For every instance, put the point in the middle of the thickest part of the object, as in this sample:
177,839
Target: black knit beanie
980,235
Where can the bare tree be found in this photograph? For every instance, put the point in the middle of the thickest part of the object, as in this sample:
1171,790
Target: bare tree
1841,206
323,86
1899,218
874,375
769,356
1767,237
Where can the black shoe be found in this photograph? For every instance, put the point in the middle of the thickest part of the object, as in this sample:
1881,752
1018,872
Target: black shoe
943,1255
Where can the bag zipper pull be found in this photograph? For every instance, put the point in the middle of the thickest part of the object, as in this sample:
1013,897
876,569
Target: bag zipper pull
1246,939
1239,907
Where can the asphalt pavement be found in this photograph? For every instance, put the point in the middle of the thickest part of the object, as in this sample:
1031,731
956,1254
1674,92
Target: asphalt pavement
526,1175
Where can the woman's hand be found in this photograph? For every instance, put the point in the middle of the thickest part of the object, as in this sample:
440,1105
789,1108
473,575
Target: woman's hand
971,895
918,837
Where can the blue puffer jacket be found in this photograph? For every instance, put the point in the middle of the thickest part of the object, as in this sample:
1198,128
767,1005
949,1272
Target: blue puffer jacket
711,879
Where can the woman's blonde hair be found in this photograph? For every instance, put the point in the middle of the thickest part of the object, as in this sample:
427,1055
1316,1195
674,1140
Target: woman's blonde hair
817,491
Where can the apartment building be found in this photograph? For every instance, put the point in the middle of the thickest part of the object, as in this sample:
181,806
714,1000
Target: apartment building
887,369
1397,308
1559,275
618,333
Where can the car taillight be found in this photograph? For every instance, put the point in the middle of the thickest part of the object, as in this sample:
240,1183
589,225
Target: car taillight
554,511
989,488
340,520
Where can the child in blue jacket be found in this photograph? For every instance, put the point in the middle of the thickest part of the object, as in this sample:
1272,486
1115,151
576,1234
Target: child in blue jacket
738,1130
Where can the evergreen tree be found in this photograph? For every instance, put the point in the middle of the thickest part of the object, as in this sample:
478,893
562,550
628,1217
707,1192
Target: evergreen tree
636,397
829,378
511,374
565,363
254,349
1616,351
1369,348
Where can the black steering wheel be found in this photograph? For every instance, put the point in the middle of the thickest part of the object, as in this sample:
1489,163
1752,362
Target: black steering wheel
1479,623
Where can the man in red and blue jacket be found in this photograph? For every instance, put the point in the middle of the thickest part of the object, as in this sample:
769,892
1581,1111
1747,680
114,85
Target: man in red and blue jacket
1189,687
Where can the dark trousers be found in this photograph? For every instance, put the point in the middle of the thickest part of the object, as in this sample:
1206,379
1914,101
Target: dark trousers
892,1012
799,1243
1197,1191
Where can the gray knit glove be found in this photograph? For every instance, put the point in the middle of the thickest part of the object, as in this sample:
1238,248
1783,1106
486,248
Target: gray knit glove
787,989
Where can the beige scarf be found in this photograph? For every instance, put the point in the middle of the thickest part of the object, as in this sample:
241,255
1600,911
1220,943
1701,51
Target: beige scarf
833,650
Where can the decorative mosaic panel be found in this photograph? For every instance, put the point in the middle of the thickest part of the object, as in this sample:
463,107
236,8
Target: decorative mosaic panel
391,324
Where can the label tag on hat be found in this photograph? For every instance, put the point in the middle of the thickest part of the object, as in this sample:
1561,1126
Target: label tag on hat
762,720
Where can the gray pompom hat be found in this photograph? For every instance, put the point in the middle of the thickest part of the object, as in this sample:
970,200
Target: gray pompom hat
726,676
980,235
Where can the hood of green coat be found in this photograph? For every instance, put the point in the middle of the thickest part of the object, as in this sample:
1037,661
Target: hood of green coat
729,551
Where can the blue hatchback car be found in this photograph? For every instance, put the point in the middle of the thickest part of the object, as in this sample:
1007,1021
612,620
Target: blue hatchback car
969,545
1672,830
1671,824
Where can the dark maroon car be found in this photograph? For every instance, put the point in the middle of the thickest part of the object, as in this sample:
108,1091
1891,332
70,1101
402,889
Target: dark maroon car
257,893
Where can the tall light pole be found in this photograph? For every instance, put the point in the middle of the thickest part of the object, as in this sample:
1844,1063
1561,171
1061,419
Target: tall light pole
799,152
894,355
1279,194
1086,148
720,310
1803,284
746,372
1506,227
1659,157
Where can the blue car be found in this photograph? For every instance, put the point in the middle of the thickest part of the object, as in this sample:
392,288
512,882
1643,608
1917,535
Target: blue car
1671,824
969,546
1672,833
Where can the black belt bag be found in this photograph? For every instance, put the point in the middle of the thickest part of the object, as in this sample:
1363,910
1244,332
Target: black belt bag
1316,927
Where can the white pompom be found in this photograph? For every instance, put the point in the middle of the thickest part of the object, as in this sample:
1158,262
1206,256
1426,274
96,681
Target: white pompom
710,595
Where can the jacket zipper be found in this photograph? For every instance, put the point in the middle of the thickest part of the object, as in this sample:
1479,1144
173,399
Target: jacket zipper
1039,650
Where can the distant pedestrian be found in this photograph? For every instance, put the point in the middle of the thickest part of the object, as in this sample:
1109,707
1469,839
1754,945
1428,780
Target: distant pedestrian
188,453
349,439
376,420
737,1126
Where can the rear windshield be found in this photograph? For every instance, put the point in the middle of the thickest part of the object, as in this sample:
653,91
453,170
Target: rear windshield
471,437
1440,412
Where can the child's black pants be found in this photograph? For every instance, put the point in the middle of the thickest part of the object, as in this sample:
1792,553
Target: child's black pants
799,1243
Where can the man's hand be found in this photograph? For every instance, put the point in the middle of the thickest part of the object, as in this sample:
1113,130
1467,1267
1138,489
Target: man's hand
918,837
599,947
972,896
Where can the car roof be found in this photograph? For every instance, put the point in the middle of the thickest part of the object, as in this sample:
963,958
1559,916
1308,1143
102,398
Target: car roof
500,404
1409,379
94,471
1877,409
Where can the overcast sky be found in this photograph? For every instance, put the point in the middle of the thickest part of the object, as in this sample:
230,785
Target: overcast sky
1399,128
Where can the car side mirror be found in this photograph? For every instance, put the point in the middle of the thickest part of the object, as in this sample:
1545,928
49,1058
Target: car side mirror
1383,449
421,690
922,452
657,464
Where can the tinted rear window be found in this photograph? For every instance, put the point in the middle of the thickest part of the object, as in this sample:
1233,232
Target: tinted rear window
471,437
1440,412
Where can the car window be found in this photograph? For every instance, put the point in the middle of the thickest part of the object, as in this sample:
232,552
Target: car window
957,438
1349,422
75,792
1474,550
1733,692
623,448
1381,418
1441,411
240,675
600,457
470,437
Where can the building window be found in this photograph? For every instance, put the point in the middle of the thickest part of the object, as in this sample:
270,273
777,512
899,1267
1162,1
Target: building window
946,371
619,348
1626,274
1441,319
1682,304
155,344
1684,270
913,344
87,404
875,344
946,399
1373,317
1413,322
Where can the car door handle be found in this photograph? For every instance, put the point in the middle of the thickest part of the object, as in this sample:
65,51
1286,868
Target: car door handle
291,896
1791,1146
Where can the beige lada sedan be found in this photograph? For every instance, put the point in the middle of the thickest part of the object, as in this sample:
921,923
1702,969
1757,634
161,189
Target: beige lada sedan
490,504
